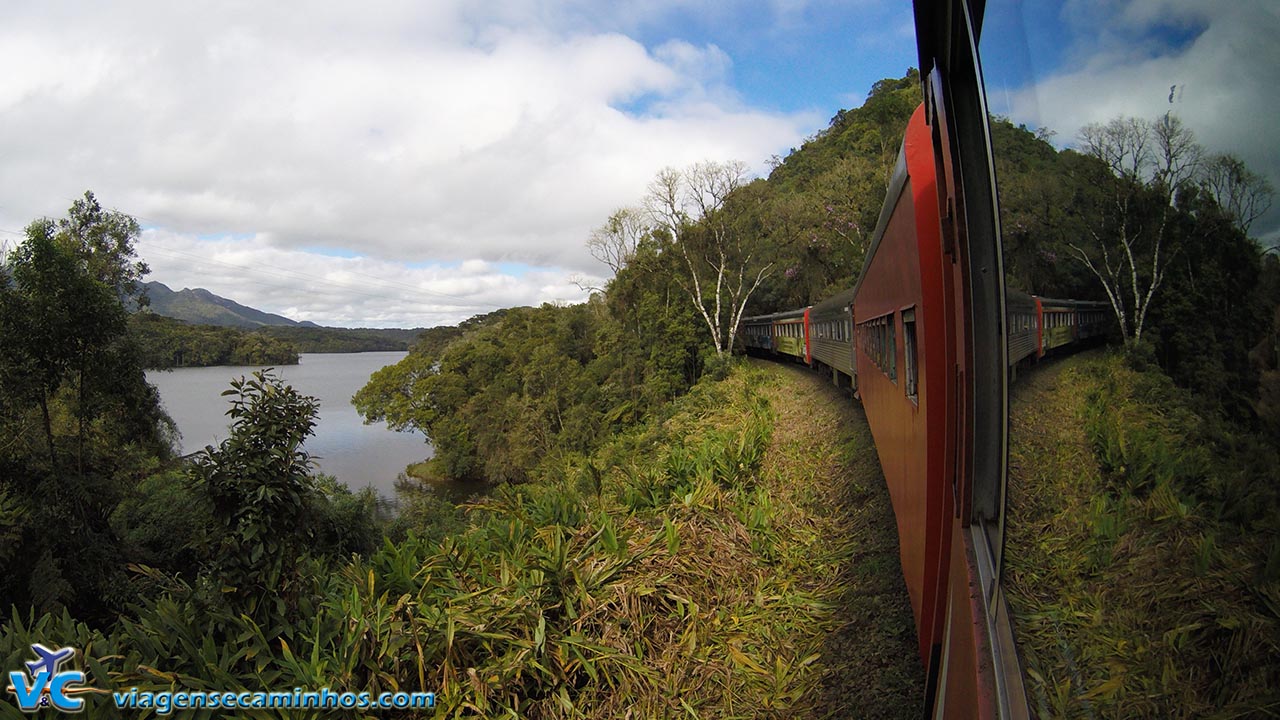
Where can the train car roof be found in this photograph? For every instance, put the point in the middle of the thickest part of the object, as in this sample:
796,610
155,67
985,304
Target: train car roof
836,303
896,184
1072,303
784,315
1017,297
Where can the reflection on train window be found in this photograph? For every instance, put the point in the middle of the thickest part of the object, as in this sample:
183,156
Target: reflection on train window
891,349
909,351
876,338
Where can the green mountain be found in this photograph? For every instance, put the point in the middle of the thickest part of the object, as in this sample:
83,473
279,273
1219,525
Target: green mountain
199,306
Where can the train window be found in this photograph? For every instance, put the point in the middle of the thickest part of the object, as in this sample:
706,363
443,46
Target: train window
909,352
891,348
884,345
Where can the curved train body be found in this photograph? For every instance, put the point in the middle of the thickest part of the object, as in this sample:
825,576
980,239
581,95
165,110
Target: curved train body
903,338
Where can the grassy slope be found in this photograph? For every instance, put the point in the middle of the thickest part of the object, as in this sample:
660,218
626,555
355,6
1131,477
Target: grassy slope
1124,605
778,594
824,474
733,560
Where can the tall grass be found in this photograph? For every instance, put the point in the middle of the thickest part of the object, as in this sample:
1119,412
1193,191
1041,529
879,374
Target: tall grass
1138,589
652,579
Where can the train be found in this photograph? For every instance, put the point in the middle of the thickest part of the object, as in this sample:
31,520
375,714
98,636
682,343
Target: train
822,335
929,339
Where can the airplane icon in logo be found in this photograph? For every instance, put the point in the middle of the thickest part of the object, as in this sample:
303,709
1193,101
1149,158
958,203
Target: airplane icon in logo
49,660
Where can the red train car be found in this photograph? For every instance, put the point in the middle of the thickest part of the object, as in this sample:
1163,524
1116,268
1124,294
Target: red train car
931,359
909,362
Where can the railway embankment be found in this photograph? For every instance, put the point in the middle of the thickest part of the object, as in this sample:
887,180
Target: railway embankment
822,470
772,587
1141,585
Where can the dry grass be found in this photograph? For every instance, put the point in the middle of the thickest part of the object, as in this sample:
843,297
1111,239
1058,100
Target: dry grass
1125,606
774,592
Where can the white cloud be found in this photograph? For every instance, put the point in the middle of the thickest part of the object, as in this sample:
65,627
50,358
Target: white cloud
349,291
411,132
1225,77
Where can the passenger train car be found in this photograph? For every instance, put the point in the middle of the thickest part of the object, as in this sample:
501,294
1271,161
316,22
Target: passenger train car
821,335
929,340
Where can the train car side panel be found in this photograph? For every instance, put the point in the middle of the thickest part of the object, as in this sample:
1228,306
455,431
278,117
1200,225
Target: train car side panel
894,280
901,310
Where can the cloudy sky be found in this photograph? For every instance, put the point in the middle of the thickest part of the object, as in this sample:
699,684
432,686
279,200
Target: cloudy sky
405,163
1062,64
414,163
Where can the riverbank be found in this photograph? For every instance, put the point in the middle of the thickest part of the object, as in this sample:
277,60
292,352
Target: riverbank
343,445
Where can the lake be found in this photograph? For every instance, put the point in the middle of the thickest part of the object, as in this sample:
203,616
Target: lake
357,454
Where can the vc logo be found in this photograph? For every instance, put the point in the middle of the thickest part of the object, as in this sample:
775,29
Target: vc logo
46,685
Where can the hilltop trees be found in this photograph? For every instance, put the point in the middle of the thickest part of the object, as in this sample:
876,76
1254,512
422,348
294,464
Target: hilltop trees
1148,164
1156,228
723,263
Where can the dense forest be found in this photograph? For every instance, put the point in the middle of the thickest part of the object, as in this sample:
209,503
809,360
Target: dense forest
165,343
605,428
343,340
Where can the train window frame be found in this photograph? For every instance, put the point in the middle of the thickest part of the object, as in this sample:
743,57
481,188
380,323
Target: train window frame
911,379
891,347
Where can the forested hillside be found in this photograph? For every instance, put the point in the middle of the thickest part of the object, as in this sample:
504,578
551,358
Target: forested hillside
201,307
167,343
208,329
508,400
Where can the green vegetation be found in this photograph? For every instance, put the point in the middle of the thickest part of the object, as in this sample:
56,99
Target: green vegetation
1145,575
1204,315
514,391
165,343
522,390
88,485
693,575
342,340
79,422
667,532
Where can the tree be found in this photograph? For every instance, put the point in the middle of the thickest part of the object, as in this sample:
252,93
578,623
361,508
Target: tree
259,485
1147,164
615,242
722,263
1241,193
69,370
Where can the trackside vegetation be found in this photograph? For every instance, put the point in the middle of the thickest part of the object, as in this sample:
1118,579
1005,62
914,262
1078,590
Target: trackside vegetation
1146,577
704,573
667,531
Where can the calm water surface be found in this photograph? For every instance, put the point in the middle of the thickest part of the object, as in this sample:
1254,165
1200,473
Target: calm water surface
356,453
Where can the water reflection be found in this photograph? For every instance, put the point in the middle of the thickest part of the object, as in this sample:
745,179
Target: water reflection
357,454
1137,157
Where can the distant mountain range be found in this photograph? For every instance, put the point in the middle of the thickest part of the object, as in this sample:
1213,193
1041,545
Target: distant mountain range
199,306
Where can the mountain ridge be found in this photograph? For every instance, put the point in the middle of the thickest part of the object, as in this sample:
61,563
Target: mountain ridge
200,306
